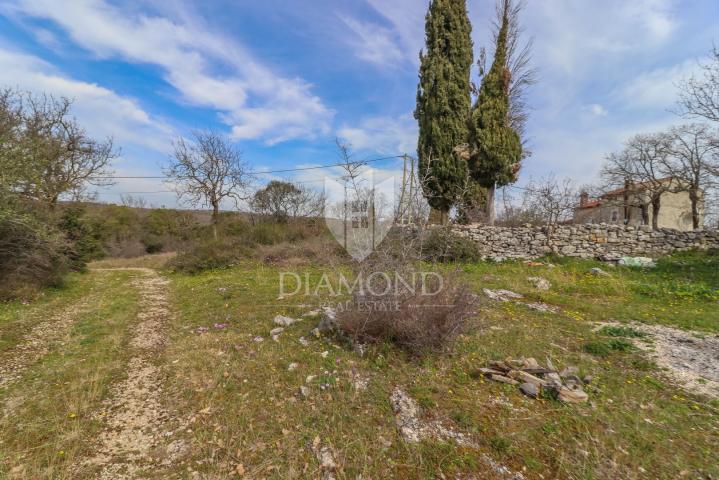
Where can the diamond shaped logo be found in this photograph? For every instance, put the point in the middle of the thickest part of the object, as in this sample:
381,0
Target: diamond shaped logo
359,212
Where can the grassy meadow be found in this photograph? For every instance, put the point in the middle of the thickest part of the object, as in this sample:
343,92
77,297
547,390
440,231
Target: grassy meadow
238,399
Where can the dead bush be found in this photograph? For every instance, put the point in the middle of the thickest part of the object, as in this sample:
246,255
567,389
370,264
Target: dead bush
417,321
312,251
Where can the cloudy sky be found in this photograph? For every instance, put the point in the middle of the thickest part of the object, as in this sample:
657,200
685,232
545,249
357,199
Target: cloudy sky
284,78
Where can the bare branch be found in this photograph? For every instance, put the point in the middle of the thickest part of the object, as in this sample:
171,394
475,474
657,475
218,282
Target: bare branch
699,94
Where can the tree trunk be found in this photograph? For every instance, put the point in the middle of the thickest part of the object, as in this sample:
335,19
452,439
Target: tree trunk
438,216
656,205
215,218
645,214
52,205
694,197
491,213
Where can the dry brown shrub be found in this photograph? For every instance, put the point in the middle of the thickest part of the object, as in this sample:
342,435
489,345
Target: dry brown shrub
417,322
311,251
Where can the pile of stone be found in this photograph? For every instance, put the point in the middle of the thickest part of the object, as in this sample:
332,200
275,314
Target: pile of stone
536,381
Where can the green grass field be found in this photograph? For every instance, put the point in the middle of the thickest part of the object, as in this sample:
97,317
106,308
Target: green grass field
239,400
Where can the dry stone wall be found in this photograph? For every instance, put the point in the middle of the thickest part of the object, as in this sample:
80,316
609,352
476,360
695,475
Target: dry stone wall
602,241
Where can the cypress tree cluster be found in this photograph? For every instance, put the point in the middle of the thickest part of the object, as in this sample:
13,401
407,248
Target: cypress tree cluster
443,102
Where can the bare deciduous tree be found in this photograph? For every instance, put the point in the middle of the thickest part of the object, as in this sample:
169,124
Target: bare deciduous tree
694,162
641,169
547,201
554,200
131,201
44,152
699,94
208,170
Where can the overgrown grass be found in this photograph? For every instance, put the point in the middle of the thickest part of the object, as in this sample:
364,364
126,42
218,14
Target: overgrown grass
49,423
637,424
17,317
621,296
244,407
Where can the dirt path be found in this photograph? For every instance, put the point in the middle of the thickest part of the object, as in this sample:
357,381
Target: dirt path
38,343
134,416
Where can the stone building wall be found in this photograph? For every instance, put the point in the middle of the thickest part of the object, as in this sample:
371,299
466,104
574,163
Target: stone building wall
675,211
585,241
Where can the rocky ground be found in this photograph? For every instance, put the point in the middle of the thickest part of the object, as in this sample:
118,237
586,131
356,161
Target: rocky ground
688,357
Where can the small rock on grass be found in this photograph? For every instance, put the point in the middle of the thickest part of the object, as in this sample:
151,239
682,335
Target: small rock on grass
568,395
529,389
283,321
540,283
599,272
503,379
304,392
277,331
501,295
292,366
542,307
258,339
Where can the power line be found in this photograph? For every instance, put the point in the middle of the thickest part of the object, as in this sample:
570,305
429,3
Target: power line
134,193
286,170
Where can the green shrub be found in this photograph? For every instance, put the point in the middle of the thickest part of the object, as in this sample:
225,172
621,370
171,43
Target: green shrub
209,255
153,244
84,235
500,444
442,245
606,347
32,255
628,332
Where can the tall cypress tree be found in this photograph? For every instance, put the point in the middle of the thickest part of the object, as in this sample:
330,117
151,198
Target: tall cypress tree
496,148
443,102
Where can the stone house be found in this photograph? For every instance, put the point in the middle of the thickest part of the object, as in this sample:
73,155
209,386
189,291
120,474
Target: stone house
631,206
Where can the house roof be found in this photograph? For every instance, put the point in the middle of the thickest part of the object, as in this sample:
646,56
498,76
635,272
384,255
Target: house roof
591,204
636,187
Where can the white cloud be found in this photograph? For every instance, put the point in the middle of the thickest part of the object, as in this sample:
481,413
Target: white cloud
572,36
101,111
597,110
374,43
384,135
407,18
47,38
253,100
655,89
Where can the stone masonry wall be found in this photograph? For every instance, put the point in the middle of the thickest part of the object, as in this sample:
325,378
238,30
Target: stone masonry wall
602,241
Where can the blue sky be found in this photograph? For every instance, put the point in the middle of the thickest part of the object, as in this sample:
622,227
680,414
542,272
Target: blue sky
284,77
